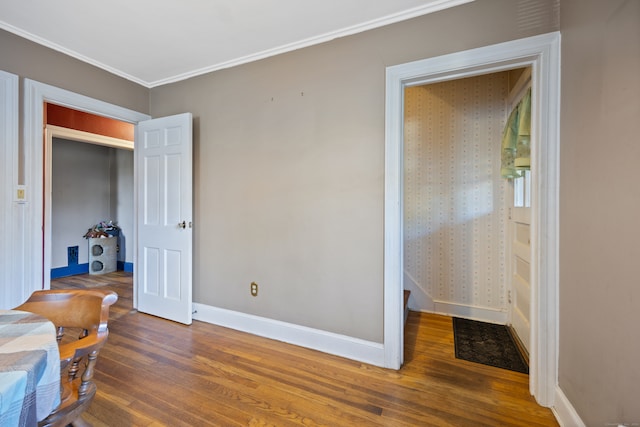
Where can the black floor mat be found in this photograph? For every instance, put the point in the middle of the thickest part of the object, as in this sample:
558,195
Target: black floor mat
488,344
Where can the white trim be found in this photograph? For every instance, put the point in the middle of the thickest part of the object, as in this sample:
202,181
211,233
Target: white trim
420,300
89,138
564,411
326,342
48,212
431,7
36,94
542,53
545,221
72,53
472,312
355,29
393,222
10,293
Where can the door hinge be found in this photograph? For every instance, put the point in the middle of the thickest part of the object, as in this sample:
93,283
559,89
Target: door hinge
509,296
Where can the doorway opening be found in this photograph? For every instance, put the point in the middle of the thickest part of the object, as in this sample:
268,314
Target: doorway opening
542,54
32,227
172,131
459,203
88,172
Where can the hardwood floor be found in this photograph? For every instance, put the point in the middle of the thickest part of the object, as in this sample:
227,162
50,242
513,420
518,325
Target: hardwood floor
154,372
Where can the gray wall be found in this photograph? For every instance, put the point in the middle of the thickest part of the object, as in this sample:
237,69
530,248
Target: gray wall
289,168
600,203
30,60
27,59
329,149
90,183
80,196
122,201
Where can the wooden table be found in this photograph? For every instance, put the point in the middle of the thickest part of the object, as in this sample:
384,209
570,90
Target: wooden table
29,368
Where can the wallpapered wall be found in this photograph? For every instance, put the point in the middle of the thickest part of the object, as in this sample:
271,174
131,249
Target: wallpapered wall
454,198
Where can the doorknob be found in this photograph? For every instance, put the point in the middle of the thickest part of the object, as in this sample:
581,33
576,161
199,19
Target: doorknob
182,224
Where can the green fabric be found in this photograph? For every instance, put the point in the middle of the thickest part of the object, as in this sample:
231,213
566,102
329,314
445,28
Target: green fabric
509,141
516,140
523,146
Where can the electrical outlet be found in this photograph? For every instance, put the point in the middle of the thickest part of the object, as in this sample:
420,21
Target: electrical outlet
254,289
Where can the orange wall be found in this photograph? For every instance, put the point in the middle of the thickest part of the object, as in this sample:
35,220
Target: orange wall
79,120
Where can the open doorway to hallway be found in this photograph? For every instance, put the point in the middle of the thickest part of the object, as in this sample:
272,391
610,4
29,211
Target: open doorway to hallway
542,53
464,255
89,177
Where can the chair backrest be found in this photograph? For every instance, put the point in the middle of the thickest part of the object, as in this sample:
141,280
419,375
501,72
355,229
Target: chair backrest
80,317
73,308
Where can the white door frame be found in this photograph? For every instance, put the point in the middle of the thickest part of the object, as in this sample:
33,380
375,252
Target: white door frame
36,94
10,205
542,53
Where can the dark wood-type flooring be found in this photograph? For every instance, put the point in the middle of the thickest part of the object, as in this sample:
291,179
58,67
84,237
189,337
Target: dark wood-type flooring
153,372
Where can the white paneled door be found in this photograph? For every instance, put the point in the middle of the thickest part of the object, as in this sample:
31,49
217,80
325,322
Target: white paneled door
520,259
164,228
519,236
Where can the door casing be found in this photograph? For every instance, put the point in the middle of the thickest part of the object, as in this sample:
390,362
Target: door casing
542,53
33,227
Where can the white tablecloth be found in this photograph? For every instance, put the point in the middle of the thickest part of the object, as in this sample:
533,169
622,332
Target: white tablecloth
29,368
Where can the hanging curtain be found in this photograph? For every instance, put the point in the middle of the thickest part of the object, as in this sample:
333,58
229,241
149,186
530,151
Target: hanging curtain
516,140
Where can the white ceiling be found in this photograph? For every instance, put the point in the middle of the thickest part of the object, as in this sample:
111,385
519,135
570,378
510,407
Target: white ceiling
153,42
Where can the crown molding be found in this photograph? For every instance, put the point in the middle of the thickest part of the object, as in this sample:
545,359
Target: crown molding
415,12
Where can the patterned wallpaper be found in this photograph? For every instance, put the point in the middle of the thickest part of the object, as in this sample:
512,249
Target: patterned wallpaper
454,198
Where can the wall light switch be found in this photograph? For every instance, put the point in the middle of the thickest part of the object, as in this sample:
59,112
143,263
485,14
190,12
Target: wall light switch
21,193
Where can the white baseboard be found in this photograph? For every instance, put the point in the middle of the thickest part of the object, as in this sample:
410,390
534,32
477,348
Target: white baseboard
471,312
564,411
316,339
420,300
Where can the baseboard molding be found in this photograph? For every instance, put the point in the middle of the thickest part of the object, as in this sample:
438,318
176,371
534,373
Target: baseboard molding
420,300
125,266
70,270
564,411
482,314
73,270
315,339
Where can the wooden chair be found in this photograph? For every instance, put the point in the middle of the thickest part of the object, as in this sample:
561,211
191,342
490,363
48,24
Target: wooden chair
80,316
